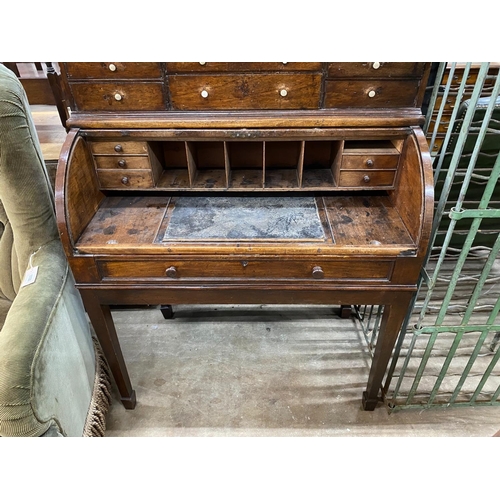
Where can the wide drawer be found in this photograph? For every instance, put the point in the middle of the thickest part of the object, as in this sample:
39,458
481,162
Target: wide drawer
125,179
370,161
253,269
235,67
118,147
371,93
375,69
122,162
245,91
113,70
118,96
367,179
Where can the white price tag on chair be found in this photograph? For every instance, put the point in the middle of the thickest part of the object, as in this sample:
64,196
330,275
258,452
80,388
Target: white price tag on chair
29,276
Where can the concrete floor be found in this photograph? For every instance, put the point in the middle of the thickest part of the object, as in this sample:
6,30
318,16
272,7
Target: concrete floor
262,371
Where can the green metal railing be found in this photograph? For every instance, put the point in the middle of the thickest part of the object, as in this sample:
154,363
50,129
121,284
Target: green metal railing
448,350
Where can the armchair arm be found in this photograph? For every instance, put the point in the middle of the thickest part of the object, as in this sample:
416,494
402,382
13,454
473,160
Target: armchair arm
47,360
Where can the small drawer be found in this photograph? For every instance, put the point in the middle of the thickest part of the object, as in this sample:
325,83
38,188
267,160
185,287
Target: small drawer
113,70
122,162
118,96
370,161
119,148
180,270
125,179
240,67
245,91
371,93
375,70
367,179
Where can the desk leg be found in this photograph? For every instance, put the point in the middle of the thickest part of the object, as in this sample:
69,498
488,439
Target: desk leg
390,326
102,321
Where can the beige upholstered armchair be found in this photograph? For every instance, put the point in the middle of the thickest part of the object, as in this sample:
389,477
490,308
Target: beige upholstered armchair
53,379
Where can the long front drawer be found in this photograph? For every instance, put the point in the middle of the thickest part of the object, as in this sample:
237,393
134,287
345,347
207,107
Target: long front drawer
118,96
233,67
245,91
253,269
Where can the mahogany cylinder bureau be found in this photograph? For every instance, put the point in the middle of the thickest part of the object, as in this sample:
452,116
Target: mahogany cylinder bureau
245,183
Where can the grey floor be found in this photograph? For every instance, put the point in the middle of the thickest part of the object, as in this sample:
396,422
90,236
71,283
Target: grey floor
262,371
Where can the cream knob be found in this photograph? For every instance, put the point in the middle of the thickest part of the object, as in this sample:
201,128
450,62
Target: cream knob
204,94
283,93
112,67
203,64
376,65
371,93
118,97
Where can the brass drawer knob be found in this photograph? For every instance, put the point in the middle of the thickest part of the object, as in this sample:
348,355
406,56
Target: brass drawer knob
118,148
317,272
366,178
204,94
125,181
112,67
283,92
171,272
376,65
371,93
369,163
118,97
122,163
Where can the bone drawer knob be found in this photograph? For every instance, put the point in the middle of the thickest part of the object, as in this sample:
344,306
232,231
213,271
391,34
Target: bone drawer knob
317,272
366,178
376,65
112,67
122,163
118,97
371,93
204,94
125,180
118,148
283,92
203,64
369,163
171,272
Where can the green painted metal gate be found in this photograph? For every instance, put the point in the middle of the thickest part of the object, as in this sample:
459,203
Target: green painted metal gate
448,350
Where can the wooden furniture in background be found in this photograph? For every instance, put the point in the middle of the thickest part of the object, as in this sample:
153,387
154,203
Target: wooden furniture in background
344,137
42,84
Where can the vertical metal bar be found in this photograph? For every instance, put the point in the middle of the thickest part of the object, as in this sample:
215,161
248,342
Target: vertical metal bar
485,376
454,113
421,368
482,280
468,367
435,92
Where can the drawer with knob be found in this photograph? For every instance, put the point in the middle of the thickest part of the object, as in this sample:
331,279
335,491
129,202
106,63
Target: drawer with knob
125,178
371,93
245,91
113,70
118,96
177,270
366,179
119,147
375,69
370,162
124,162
